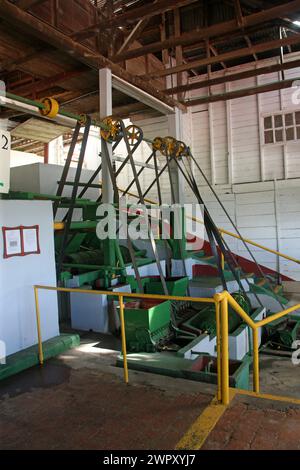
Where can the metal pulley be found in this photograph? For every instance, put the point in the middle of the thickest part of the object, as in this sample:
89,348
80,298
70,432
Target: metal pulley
182,150
157,144
51,107
169,146
134,134
113,129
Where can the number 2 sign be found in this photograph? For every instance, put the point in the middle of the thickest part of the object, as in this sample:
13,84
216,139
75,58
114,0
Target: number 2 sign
4,161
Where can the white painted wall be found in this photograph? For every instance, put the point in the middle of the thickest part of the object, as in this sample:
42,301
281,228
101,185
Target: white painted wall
23,158
227,141
228,131
229,146
18,275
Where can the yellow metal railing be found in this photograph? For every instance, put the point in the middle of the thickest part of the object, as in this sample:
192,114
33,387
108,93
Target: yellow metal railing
221,302
120,296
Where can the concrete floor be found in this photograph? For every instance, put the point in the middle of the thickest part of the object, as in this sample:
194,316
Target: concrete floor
256,424
79,401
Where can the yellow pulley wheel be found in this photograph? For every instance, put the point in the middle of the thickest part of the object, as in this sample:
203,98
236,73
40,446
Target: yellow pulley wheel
51,107
113,129
170,146
134,134
181,149
157,144
83,119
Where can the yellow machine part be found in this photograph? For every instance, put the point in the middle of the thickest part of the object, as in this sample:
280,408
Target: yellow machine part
51,107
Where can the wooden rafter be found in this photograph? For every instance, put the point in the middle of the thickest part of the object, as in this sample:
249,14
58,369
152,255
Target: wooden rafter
235,77
282,84
215,53
239,13
133,35
237,54
27,4
83,54
212,31
146,11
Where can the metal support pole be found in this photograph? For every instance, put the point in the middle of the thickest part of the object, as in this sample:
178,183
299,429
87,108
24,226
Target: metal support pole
255,361
124,351
38,325
219,366
177,181
224,352
222,259
105,94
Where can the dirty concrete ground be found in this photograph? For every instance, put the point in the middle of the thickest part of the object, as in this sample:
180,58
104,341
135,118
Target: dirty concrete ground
278,376
256,424
79,401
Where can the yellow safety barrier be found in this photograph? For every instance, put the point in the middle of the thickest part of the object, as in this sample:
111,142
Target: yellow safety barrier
221,302
120,296
224,299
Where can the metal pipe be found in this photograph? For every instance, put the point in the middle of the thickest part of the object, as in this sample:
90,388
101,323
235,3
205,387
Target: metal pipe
123,334
129,294
219,365
255,361
276,316
240,311
224,352
38,326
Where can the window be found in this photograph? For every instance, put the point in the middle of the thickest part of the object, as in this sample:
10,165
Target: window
282,127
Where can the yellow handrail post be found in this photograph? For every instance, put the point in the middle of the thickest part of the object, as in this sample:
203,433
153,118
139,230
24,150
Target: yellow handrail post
224,352
222,256
38,326
124,351
219,367
255,361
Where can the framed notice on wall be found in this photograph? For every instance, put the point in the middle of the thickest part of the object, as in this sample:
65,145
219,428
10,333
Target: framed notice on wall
4,161
21,241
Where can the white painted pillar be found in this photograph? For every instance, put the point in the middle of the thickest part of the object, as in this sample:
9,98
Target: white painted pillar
105,95
175,128
229,136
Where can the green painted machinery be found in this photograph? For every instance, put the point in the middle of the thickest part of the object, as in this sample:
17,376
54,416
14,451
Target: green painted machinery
177,286
148,324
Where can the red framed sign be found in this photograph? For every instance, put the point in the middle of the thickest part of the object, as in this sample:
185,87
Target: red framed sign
21,241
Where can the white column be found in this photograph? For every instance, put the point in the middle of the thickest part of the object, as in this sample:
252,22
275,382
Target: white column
175,127
105,95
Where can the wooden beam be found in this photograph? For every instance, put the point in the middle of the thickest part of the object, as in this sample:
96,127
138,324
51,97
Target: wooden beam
26,4
133,35
215,53
235,77
178,50
242,92
238,13
249,44
212,31
47,33
146,11
227,56
47,83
